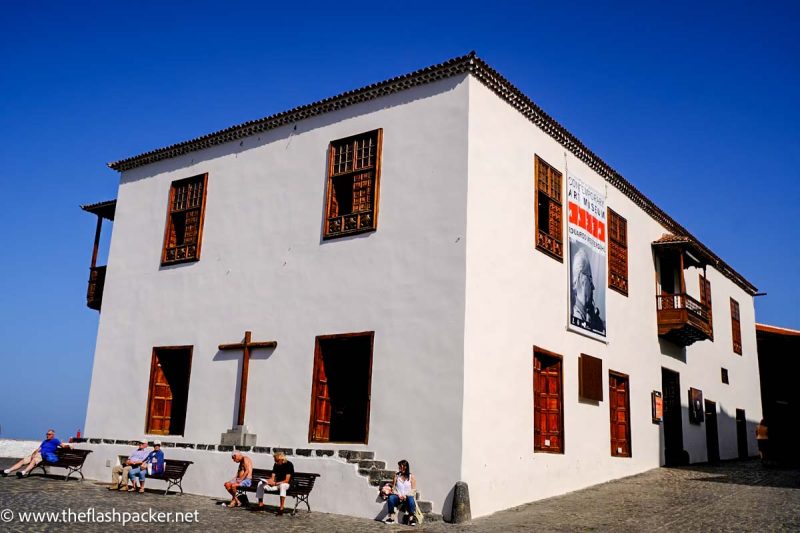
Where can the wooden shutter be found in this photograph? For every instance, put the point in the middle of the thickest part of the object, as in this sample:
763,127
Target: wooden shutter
590,378
320,401
185,214
548,413
705,300
549,238
160,403
619,404
618,252
736,327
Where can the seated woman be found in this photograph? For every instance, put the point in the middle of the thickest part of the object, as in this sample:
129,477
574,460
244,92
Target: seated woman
152,464
404,490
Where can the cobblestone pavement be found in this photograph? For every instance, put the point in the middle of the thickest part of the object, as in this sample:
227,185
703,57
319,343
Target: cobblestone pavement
736,496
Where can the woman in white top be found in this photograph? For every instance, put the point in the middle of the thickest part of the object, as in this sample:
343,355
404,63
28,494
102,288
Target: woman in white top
404,489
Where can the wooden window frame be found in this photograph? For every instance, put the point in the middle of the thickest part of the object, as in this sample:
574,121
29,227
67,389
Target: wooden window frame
705,299
627,378
617,252
153,359
355,222
314,383
546,242
168,225
547,353
736,327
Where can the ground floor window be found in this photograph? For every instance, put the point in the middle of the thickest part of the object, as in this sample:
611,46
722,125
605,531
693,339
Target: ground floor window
548,402
619,403
169,390
340,395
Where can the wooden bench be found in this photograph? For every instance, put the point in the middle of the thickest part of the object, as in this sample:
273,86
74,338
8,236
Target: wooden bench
68,458
173,473
300,486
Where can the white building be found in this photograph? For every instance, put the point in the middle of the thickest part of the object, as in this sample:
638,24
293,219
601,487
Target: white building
428,214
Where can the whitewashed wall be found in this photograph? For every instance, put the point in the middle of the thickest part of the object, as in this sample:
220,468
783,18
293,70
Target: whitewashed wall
517,297
265,268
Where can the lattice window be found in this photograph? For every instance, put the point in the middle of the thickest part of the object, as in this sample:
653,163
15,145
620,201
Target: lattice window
618,252
705,300
183,234
549,236
353,180
736,327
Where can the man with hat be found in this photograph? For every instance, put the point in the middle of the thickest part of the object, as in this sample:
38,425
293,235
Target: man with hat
119,474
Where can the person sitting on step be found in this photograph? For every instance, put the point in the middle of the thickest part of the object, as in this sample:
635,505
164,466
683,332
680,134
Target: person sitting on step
404,490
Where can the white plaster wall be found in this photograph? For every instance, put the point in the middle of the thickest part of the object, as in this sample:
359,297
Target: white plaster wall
211,469
265,268
517,297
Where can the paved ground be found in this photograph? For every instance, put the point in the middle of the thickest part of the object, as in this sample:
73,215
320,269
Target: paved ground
736,496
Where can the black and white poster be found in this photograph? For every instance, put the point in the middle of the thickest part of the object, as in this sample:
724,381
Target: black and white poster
586,228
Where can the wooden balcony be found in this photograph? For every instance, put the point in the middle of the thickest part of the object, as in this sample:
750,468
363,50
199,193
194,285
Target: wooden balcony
94,294
682,319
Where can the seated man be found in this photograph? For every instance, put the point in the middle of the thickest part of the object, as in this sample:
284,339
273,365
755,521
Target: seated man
280,479
119,474
152,464
244,477
46,451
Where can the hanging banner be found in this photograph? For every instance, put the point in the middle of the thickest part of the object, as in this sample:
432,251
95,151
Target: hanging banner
586,228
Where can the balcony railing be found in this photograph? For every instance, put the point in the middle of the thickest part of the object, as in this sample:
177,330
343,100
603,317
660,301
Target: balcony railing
682,319
94,294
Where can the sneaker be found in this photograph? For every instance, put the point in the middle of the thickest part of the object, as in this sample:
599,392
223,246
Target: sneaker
279,513
389,520
21,474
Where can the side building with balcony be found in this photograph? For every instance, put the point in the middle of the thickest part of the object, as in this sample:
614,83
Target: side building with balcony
430,268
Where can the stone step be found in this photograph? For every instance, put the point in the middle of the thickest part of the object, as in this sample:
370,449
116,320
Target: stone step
424,506
353,456
376,476
432,517
369,464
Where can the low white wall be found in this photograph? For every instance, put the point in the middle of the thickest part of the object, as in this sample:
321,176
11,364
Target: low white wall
17,448
339,489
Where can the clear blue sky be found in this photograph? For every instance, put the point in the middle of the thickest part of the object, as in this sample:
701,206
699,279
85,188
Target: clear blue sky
696,103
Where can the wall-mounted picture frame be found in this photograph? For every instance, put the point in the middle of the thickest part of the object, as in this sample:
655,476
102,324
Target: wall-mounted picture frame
696,413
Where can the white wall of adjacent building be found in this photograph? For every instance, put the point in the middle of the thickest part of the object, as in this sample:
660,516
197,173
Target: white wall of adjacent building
265,268
517,297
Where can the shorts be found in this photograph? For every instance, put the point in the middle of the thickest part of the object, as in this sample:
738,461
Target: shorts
244,483
35,457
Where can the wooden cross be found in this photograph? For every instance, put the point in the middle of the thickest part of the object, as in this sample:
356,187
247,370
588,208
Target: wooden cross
245,346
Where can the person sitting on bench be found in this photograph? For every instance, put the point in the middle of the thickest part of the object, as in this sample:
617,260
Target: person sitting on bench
46,451
152,464
244,477
280,479
120,474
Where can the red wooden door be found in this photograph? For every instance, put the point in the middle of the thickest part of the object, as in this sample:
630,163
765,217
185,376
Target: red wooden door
619,403
321,401
547,404
160,405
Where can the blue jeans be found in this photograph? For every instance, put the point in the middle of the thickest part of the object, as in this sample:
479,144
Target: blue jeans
394,501
137,471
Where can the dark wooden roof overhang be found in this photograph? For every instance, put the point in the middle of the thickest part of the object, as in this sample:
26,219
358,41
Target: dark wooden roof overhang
776,331
466,64
102,209
692,253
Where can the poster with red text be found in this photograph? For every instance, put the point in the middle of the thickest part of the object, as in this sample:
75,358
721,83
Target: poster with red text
586,230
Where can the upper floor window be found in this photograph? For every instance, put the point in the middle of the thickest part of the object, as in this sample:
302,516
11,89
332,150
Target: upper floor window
184,231
354,167
549,237
618,252
705,300
736,327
